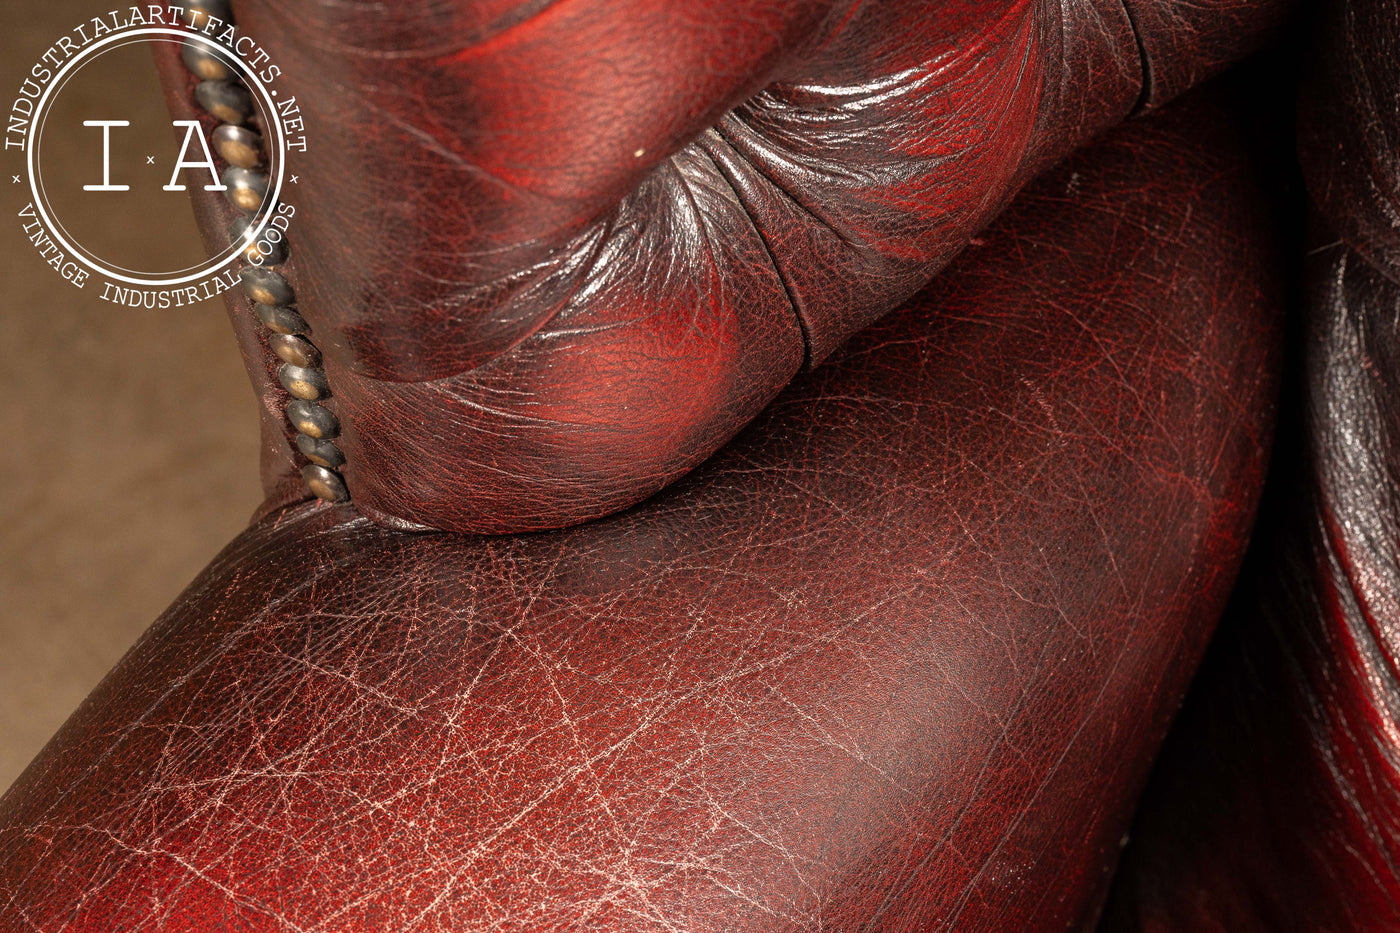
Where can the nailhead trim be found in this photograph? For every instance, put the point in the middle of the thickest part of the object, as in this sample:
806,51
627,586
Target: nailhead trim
224,97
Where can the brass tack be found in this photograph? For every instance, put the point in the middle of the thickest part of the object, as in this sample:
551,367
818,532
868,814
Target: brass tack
324,484
266,286
270,249
247,189
312,419
238,145
303,382
322,453
226,100
296,350
205,64
282,320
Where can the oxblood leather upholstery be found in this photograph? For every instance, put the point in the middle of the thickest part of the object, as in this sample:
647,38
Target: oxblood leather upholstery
1278,802
578,245
897,658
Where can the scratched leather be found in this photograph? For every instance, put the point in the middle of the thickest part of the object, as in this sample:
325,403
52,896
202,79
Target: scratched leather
897,658
558,253
1278,803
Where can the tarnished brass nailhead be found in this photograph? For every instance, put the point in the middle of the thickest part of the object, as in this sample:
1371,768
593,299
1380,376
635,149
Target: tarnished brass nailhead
267,287
312,419
238,146
273,240
324,484
247,188
205,64
293,349
282,320
227,100
303,382
322,453
242,148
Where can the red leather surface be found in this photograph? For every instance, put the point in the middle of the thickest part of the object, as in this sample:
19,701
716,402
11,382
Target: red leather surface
1277,805
558,253
1277,802
1349,132
896,659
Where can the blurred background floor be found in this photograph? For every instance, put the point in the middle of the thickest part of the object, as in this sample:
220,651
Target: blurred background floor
128,447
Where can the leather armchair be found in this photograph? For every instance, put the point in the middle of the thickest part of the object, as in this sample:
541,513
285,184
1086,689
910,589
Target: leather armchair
794,614
578,254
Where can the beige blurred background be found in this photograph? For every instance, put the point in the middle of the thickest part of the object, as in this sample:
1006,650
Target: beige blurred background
128,445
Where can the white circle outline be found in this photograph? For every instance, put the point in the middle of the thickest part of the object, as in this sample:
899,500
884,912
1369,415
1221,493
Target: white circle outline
81,251
40,109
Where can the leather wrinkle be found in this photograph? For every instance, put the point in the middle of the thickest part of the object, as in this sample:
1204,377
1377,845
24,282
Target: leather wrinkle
866,142
896,659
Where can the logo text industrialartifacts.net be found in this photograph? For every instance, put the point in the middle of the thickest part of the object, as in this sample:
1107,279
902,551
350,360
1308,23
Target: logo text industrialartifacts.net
189,158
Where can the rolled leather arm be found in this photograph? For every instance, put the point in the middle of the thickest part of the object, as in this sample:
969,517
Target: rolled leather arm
557,254
898,658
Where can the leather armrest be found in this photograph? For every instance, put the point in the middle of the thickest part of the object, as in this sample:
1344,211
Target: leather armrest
898,658
550,276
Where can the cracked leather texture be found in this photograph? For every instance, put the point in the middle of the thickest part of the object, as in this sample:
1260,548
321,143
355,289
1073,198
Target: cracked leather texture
898,658
1277,803
558,253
